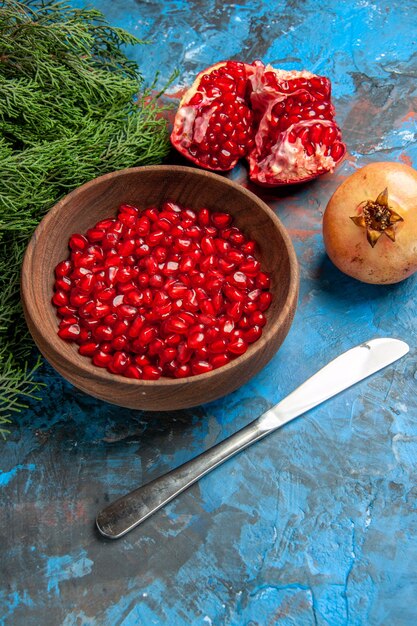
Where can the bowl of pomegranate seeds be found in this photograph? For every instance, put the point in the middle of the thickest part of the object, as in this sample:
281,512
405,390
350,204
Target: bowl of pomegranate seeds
159,287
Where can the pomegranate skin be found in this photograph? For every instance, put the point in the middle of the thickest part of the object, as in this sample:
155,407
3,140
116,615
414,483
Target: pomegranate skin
346,243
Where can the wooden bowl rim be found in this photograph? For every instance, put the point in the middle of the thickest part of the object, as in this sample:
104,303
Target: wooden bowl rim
82,364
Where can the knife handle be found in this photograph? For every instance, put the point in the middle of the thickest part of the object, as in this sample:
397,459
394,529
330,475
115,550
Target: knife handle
130,510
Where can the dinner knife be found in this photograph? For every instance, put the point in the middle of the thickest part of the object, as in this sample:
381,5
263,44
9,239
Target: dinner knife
352,366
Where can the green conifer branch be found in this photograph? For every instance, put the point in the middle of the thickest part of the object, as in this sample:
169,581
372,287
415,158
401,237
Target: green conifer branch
72,107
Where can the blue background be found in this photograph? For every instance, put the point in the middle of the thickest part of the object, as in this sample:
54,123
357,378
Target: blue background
315,525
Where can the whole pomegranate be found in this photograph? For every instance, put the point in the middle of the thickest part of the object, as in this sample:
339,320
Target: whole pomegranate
370,223
281,121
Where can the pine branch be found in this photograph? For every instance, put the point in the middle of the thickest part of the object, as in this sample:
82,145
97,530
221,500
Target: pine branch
72,107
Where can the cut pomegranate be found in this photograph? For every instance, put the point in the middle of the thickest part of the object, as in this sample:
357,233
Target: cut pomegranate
169,292
214,123
281,121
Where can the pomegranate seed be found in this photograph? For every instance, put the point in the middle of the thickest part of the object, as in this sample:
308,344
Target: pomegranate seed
126,310
207,245
100,310
63,268
120,343
69,332
264,300
203,217
221,220
238,346
87,282
233,294
89,348
65,311
133,371
263,280
196,340
146,334
101,359
244,322
173,339
95,234
218,360
201,367
182,371
78,242
151,372
136,326
164,293
141,360
252,334
120,361
127,247
60,298
103,333
257,318
217,346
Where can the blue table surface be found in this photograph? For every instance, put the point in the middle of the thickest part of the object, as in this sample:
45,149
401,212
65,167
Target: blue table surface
314,525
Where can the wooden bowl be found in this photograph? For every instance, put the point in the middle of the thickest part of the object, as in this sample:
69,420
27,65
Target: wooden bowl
145,186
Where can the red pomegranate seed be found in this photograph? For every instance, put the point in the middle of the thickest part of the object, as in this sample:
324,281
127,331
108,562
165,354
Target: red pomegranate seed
133,371
151,372
106,347
155,346
128,209
166,355
107,294
126,310
257,318
101,359
136,326
63,268
65,311
60,298
203,217
120,361
176,325
182,371
89,348
238,346
218,360
120,343
141,360
64,284
78,242
234,294
186,317
70,332
100,310
170,292
196,340
252,334
244,322
173,339
146,334
218,346
103,333
264,300
201,367
221,220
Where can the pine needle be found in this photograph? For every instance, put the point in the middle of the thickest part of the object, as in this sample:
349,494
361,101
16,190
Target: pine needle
72,107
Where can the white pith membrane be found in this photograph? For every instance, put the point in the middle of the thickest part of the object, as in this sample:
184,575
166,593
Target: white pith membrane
288,160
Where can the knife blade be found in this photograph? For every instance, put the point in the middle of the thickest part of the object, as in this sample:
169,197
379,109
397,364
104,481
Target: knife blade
347,369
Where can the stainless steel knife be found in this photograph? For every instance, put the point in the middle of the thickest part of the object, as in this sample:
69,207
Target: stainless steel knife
347,369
